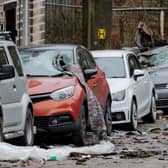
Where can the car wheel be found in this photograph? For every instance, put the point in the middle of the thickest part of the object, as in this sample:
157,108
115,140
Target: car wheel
151,117
79,136
1,130
134,121
108,117
28,137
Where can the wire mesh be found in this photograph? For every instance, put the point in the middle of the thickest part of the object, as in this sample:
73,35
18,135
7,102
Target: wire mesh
63,21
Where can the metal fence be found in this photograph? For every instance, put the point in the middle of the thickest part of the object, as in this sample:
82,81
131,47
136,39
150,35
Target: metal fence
63,21
125,21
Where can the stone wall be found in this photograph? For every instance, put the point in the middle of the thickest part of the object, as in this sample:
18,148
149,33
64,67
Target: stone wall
1,12
37,21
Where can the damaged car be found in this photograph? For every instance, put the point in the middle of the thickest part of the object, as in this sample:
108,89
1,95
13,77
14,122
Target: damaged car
155,61
59,100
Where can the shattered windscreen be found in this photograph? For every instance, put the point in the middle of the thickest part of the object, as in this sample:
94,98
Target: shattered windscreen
42,62
160,58
157,57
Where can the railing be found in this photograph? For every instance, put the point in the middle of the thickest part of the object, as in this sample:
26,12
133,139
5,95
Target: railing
64,21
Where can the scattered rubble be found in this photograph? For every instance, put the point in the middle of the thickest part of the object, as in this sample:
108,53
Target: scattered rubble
147,142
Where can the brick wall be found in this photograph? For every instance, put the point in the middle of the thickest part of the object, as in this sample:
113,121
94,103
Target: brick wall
36,25
37,21
19,22
1,12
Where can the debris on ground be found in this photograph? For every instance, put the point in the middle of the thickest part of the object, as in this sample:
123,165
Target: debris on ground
143,139
154,130
15,153
149,141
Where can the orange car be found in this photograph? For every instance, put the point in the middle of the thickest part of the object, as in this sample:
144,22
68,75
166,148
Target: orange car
58,98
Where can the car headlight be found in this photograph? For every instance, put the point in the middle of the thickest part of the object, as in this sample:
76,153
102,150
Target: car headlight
118,96
62,94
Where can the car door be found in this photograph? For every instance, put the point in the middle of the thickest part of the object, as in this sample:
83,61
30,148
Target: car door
14,115
7,94
147,88
139,84
86,61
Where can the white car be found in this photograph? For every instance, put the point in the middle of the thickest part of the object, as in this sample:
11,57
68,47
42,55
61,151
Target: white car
133,93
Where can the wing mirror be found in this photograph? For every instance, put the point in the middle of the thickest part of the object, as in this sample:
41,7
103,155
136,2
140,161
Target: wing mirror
6,72
138,73
89,73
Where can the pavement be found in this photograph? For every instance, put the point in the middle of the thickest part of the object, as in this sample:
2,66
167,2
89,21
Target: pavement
146,147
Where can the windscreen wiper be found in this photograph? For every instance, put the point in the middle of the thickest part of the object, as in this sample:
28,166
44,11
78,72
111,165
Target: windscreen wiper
116,77
146,55
62,74
31,75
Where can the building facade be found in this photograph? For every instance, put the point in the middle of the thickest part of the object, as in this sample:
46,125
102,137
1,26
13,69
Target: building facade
1,12
25,19
41,21
61,21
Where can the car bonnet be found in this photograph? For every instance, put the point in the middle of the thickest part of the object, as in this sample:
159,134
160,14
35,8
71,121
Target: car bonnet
118,84
44,85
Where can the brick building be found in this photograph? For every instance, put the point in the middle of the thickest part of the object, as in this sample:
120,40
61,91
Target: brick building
60,21
37,21
25,19
1,11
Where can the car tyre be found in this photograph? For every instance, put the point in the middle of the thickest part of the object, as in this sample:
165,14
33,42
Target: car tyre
79,136
151,117
108,117
28,137
133,118
1,130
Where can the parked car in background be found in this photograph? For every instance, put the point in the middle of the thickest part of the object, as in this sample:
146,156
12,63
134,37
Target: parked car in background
16,109
59,99
133,93
136,50
155,61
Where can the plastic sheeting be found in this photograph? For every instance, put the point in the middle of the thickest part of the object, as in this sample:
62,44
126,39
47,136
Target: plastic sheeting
10,152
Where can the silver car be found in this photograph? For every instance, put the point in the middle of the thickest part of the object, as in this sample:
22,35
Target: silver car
16,110
155,61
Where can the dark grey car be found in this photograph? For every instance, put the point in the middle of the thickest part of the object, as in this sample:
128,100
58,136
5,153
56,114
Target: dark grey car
156,62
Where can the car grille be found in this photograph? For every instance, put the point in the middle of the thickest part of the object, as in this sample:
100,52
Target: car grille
41,122
161,86
45,122
162,103
39,98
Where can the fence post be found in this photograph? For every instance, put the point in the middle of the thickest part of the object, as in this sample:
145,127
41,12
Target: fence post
87,4
97,23
162,24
